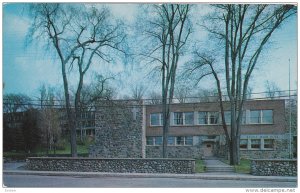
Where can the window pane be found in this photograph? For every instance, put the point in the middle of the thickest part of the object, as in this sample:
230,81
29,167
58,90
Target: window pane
189,140
202,117
179,140
255,143
254,116
268,143
227,115
178,118
267,116
171,140
243,143
154,119
189,118
214,117
150,141
158,140
244,117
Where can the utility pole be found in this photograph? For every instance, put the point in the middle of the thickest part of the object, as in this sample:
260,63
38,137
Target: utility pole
290,114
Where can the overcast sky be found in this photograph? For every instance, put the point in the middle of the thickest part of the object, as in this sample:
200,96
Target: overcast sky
27,67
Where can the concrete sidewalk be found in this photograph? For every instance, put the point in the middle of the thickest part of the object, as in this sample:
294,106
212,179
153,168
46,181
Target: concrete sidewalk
207,176
18,169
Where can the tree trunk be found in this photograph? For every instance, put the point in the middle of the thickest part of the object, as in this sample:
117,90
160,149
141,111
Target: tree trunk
165,115
70,116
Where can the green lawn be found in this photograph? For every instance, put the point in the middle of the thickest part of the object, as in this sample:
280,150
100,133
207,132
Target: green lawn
81,149
200,167
244,166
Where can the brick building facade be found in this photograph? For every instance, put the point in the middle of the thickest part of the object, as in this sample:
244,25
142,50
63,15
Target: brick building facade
133,129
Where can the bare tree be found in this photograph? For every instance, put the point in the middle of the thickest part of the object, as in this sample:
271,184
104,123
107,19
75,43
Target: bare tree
167,29
78,33
154,98
98,89
182,90
48,118
13,103
244,31
138,91
272,90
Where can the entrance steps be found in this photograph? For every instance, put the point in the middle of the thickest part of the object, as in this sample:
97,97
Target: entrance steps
219,169
214,165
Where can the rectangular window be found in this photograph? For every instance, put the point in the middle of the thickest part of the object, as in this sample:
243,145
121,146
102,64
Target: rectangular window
178,118
268,143
255,143
213,117
244,117
243,143
255,116
227,115
189,118
267,116
202,118
155,119
158,140
261,116
208,118
189,140
171,140
150,141
154,140
179,140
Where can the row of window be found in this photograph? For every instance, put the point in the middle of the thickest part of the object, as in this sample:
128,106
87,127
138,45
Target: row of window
212,118
253,144
172,141
256,144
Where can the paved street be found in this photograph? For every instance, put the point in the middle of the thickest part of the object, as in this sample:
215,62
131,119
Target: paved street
121,182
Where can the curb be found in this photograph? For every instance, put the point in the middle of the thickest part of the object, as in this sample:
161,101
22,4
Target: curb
203,176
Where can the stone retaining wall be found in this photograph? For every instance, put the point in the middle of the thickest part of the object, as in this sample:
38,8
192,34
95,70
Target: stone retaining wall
274,167
115,165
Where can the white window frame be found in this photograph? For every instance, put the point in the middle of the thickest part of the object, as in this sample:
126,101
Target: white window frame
174,117
263,144
247,144
208,118
261,116
159,119
260,144
153,141
183,118
184,141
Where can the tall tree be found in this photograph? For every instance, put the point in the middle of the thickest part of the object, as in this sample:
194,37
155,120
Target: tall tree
13,103
137,91
167,29
243,31
77,32
48,118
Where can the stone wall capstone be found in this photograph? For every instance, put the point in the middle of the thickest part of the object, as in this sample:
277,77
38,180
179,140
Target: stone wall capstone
115,165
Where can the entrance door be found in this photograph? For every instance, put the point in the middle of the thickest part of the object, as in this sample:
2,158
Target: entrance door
207,150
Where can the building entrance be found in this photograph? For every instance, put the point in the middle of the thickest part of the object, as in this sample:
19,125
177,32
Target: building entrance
208,149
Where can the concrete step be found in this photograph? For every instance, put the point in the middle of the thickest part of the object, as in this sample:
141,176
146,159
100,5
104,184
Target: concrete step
219,169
